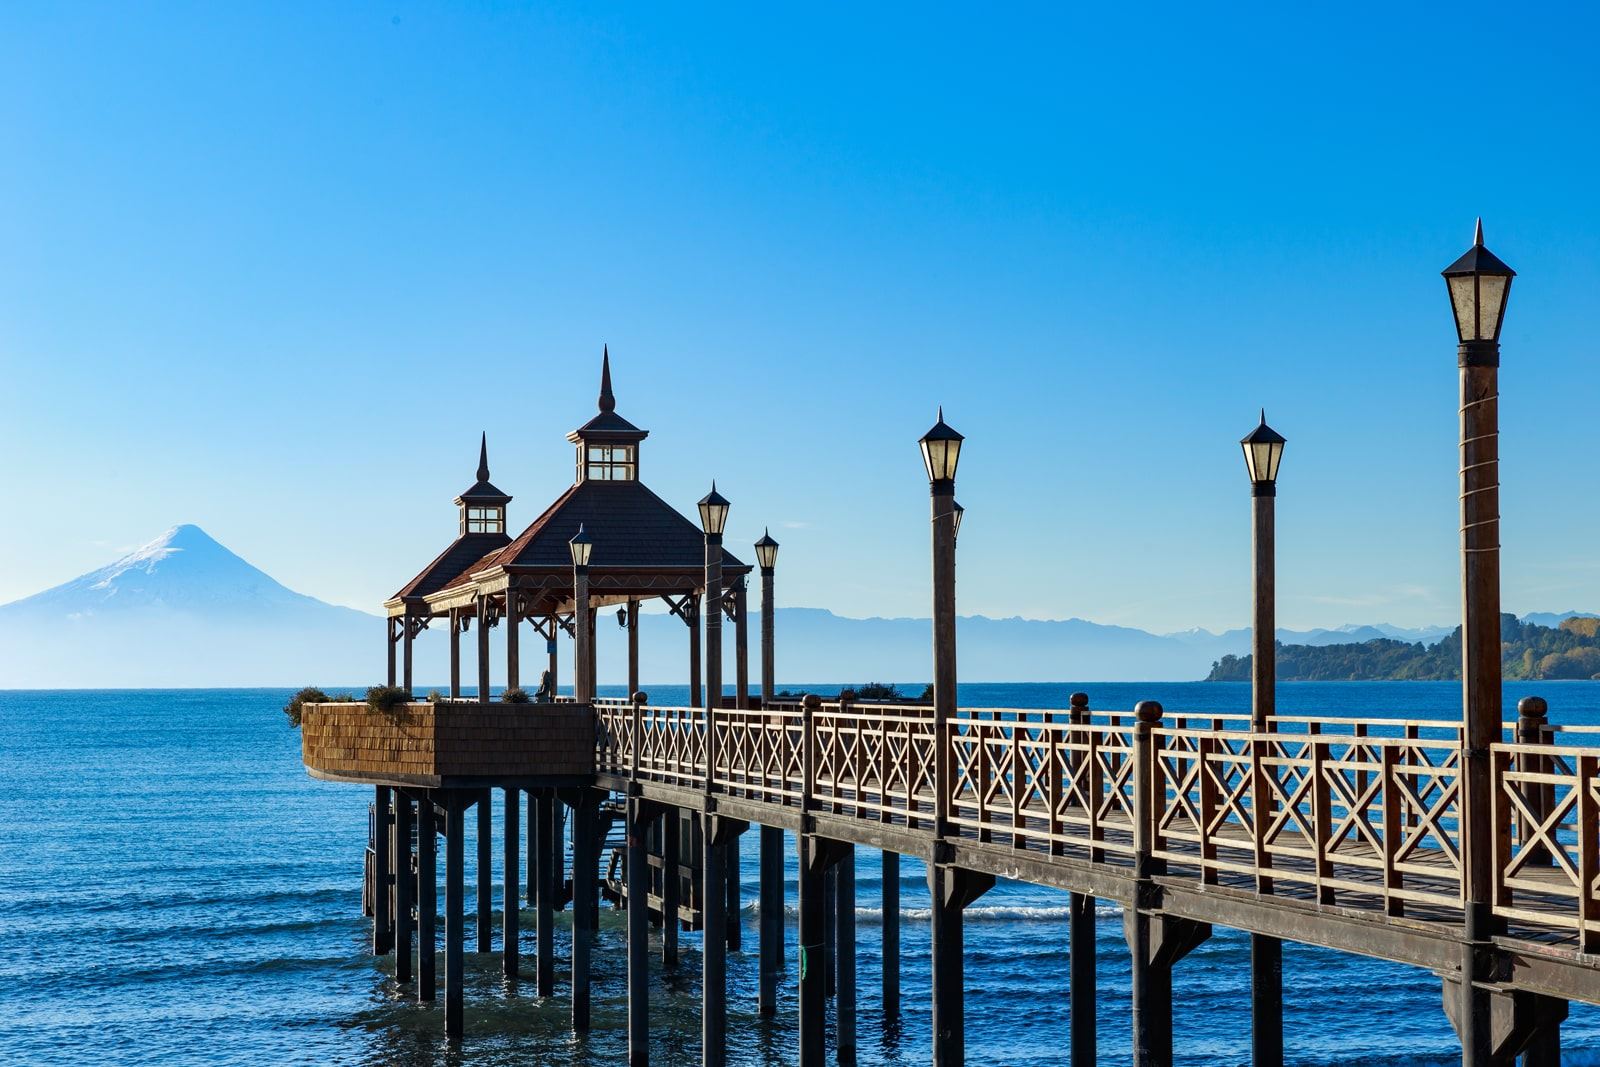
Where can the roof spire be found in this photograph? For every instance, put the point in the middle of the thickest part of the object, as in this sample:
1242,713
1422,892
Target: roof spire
483,457
1477,236
608,403
1263,416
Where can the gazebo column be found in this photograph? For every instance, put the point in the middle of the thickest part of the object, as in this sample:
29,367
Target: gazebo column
484,609
391,638
555,662
408,631
455,654
633,647
513,653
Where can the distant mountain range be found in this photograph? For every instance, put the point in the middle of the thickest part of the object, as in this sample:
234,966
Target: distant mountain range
185,611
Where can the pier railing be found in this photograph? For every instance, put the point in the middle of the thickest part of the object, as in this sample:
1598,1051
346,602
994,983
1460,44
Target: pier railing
1361,814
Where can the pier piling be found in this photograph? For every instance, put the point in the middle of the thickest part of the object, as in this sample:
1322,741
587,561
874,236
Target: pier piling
455,903
845,967
400,850
585,902
427,896
953,890
638,875
381,869
817,855
485,842
549,858
771,919
671,831
714,943
511,896
891,937
1081,979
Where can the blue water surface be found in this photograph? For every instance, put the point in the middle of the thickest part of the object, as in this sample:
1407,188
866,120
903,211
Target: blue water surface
174,889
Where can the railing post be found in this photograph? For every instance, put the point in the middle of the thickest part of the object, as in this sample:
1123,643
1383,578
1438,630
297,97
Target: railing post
637,719
1532,717
808,751
1587,772
1152,982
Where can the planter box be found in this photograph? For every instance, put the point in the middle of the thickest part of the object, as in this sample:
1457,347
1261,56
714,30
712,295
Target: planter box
449,744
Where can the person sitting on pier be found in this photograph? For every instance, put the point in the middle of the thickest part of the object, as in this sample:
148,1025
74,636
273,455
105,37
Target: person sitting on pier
547,689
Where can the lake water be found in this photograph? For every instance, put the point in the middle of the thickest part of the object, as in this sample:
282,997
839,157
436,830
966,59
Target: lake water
175,890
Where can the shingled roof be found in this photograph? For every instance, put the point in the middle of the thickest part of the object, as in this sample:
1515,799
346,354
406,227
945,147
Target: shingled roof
454,562
630,526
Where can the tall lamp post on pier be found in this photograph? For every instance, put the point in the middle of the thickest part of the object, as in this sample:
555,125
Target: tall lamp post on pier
951,887
581,548
1479,283
1263,451
714,913
771,836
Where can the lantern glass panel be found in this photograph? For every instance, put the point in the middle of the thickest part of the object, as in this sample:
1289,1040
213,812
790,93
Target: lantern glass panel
1491,301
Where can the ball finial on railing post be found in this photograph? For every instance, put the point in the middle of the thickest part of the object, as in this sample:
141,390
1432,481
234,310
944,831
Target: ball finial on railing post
1148,711
1078,706
1532,714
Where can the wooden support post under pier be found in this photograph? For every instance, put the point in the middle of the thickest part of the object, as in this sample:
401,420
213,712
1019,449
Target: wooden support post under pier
1266,1001
511,897
400,851
891,937
427,896
585,900
830,931
549,854
455,903
381,869
638,875
771,918
952,890
714,943
485,872
1081,979
734,894
533,848
845,946
671,831
817,855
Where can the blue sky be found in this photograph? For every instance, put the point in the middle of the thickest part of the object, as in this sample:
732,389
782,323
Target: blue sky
272,268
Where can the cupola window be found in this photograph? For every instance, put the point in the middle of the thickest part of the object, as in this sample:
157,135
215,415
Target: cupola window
486,520
610,463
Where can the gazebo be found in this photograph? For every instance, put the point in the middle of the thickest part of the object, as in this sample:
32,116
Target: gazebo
641,548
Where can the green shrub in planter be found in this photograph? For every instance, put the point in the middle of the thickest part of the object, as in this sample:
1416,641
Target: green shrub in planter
389,699
309,695
515,695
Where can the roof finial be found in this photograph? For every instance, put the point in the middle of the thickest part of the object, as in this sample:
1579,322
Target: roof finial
1477,236
483,457
608,403
1263,416
941,412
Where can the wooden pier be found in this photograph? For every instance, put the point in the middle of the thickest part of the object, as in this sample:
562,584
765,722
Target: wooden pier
1468,847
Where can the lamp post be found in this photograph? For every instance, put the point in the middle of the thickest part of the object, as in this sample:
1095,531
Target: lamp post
950,887
1478,284
771,842
714,913
581,548
1263,451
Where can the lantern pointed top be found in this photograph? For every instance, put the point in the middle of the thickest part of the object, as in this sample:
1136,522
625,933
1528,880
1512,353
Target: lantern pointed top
1263,434
608,402
483,457
714,497
1478,260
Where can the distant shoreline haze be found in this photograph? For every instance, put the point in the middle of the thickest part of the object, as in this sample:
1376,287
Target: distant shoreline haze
184,611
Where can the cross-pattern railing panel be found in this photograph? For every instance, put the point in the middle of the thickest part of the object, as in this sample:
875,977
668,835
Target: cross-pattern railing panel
1363,813
1547,839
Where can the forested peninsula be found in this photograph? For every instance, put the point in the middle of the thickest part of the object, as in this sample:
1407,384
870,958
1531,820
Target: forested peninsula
1528,650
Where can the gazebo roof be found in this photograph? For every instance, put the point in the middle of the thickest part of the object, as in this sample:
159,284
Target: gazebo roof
454,562
632,529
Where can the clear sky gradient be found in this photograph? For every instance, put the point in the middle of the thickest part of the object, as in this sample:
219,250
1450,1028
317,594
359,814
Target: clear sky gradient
271,268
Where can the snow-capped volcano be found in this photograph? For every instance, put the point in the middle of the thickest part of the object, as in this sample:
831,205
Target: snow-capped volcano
183,611
183,570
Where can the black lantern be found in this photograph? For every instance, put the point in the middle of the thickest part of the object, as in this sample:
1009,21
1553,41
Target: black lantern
766,551
622,618
581,547
941,450
960,511
1479,284
1263,450
713,512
